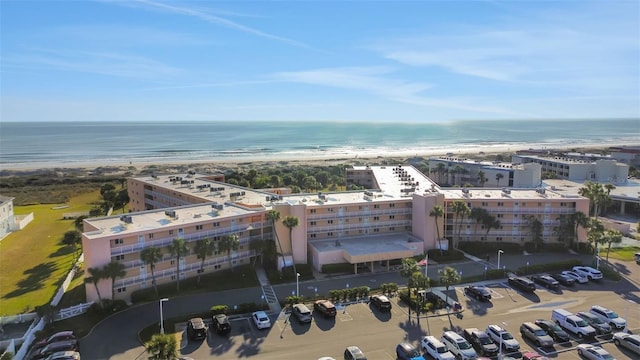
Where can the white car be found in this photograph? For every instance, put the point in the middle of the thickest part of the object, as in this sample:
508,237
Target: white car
261,319
610,316
580,279
502,337
589,272
592,352
436,349
628,341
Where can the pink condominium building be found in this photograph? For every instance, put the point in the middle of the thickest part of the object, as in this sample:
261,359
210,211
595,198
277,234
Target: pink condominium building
388,221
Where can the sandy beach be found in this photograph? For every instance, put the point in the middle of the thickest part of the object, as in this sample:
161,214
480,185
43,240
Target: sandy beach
281,160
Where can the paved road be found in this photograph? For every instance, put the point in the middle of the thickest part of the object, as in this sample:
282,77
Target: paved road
117,336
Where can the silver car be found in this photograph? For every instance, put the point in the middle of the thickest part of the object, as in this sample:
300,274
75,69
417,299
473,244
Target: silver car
628,341
592,352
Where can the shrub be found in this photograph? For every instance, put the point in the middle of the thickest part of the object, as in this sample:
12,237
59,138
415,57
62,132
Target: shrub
445,255
551,267
219,309
341,268
483,248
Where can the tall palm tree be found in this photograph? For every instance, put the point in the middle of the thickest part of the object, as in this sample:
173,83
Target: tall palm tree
435,213
498,177
203,248
490,222
482,178
258,246
578,219
409,267
596,194
114,270
151,256
274,216
461,210
95,275
458,170
448,276
227,244
595,235
290,222
178,248
477,214
536,227
441,170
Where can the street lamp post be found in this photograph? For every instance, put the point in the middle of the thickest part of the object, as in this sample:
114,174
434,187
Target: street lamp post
485,273
499,252
527,272
162,316
298,284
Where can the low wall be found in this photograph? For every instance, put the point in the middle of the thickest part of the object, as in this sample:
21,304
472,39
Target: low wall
624,228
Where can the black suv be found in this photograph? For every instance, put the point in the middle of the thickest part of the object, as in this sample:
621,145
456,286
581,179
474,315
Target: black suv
564,279
481,342
554,330
196,329
522,283
325,307
546,281
221,324
381,302
479,292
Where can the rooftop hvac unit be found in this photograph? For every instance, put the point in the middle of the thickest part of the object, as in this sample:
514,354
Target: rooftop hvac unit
170,213
465,191
126,219
506,191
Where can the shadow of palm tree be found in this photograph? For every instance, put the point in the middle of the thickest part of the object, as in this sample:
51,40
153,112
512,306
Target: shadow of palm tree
34,280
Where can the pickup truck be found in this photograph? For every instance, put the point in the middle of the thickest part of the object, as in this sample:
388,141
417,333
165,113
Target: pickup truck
573,323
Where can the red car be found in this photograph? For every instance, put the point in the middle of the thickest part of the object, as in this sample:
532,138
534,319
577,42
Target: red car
532,355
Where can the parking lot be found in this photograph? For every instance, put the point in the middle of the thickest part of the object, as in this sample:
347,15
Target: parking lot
377,333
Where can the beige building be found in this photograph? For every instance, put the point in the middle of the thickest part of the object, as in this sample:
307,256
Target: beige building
388,221
460,171
569,168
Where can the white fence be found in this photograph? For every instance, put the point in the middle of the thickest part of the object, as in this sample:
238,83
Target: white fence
65,285
72,311
17,318
21,221
25,340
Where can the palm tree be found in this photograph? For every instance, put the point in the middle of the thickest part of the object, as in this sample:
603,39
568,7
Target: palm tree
409,267
274,216
95,275
490,222
72,238
114,270
612,237
596,194
441,170
458,170
290,222
482,178
258,246
498,177
150,256
162,347
448,277
578,219
461,210
536,228
435,213
595,234
478,214
79,222
178,248
203,248
227,244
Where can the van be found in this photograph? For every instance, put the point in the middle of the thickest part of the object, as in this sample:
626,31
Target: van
458,346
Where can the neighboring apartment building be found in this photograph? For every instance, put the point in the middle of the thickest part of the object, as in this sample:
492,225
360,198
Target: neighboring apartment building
387,222
460,171
602,170
7,218
629,155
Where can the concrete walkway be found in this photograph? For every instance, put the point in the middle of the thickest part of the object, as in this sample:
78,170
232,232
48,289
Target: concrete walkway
268,294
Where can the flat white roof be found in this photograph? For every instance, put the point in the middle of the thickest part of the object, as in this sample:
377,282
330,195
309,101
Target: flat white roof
496,193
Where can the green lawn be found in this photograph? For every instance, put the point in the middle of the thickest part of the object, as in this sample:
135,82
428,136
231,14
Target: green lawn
32,262
624,253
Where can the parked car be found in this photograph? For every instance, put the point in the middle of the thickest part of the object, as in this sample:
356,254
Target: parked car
478,292
302,313
536,334
563,279
325,307
436,348
602,328
589,272
221,324
66,345
532,355
59,336
522,283
609,316
196,329
579,278
406,351
628,341
481,342
381,302
261,320
554,330
502,336
458,346
64,355
573,323
354,353
547,281
592,352
636,257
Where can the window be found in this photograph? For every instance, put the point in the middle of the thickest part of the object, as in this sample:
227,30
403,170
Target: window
485,204
150,236
391,217
329,234
392,205
216,238
198,227
312,211
392,228
122,289
313,236
376,206
200,271
330,209
329,221
216,267
173,262
118,241
376,218
170,232
375,230
312,223
500,216
360,207
119,257
500,204
499,238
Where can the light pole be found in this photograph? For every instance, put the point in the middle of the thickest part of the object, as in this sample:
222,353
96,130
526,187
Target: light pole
298,284
485,273
527,268
499,252
162,316
504,324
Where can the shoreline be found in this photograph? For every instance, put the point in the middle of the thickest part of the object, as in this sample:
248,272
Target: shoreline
284,159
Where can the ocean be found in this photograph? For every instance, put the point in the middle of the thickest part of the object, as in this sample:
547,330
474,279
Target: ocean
80,143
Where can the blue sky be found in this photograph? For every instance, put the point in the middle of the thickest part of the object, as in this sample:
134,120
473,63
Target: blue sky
408,61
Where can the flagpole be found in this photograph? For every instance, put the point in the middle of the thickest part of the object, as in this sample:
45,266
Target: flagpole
426,265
